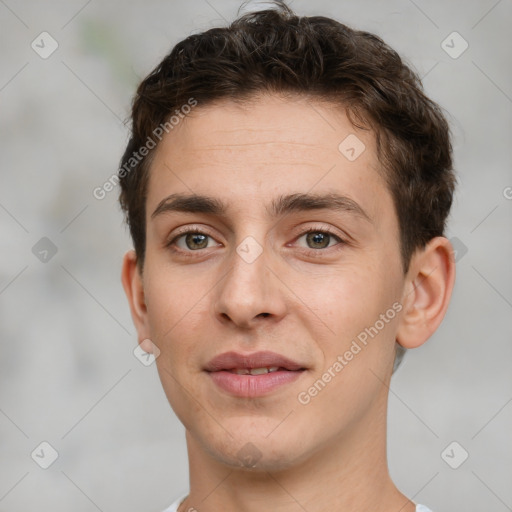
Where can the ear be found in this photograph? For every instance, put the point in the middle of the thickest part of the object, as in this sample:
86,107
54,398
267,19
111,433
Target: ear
134,288
428,288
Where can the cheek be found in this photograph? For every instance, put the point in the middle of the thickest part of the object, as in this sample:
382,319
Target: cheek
348,298
177,308
177,304
359,311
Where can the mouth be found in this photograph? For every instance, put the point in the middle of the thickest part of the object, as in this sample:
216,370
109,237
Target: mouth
252,375
258,371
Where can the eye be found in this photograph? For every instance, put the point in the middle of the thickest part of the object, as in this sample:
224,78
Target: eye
319,238
192,241
195,240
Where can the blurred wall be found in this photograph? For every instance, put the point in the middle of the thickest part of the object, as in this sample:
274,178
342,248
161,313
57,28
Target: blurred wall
68,375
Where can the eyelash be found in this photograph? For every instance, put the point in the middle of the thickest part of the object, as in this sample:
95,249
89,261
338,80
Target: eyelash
310,252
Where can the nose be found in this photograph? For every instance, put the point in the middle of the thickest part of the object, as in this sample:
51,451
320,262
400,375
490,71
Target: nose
250,292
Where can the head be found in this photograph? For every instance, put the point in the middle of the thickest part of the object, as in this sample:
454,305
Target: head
273,126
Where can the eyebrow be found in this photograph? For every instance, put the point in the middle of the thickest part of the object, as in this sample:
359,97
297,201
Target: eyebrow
195,203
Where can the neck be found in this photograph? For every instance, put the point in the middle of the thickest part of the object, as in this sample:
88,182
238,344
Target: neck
349,473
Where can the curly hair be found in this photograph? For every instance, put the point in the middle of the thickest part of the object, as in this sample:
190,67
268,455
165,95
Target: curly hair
276,51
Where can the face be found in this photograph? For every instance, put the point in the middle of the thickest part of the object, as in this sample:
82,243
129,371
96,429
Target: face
295,253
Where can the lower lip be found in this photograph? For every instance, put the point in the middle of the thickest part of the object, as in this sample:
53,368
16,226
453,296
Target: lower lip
251,386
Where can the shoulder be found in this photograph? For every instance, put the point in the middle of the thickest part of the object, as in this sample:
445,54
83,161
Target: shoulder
174,506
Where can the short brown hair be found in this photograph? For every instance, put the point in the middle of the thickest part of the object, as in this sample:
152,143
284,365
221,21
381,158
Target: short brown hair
276,51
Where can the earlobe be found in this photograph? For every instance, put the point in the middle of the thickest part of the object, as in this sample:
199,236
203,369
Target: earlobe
427,292
134,290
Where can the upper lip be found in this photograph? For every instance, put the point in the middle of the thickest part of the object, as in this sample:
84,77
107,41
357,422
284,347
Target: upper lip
233,360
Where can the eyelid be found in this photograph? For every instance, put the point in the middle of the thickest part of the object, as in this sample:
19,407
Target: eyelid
185,231
342,240
324,228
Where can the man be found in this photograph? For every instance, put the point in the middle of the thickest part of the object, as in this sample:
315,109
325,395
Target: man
286,185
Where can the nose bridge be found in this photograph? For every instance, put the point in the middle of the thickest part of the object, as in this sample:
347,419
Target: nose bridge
249,288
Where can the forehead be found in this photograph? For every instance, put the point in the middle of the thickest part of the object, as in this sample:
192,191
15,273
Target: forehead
248,153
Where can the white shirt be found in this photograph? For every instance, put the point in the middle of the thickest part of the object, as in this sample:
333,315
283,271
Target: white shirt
177,503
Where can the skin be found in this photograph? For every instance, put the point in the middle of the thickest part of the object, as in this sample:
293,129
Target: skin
198,303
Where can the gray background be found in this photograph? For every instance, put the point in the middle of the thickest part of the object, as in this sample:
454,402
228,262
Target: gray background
68,375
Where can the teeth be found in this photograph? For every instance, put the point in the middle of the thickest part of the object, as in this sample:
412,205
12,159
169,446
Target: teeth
240,371
255,371
259,371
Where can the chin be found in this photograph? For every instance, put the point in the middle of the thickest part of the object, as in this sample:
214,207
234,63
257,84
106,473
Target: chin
255,449
256,458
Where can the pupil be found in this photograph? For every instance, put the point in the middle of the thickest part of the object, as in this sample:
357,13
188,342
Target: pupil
194,243
318,238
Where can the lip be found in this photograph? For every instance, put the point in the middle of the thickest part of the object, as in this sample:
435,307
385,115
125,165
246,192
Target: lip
252,386
232,360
